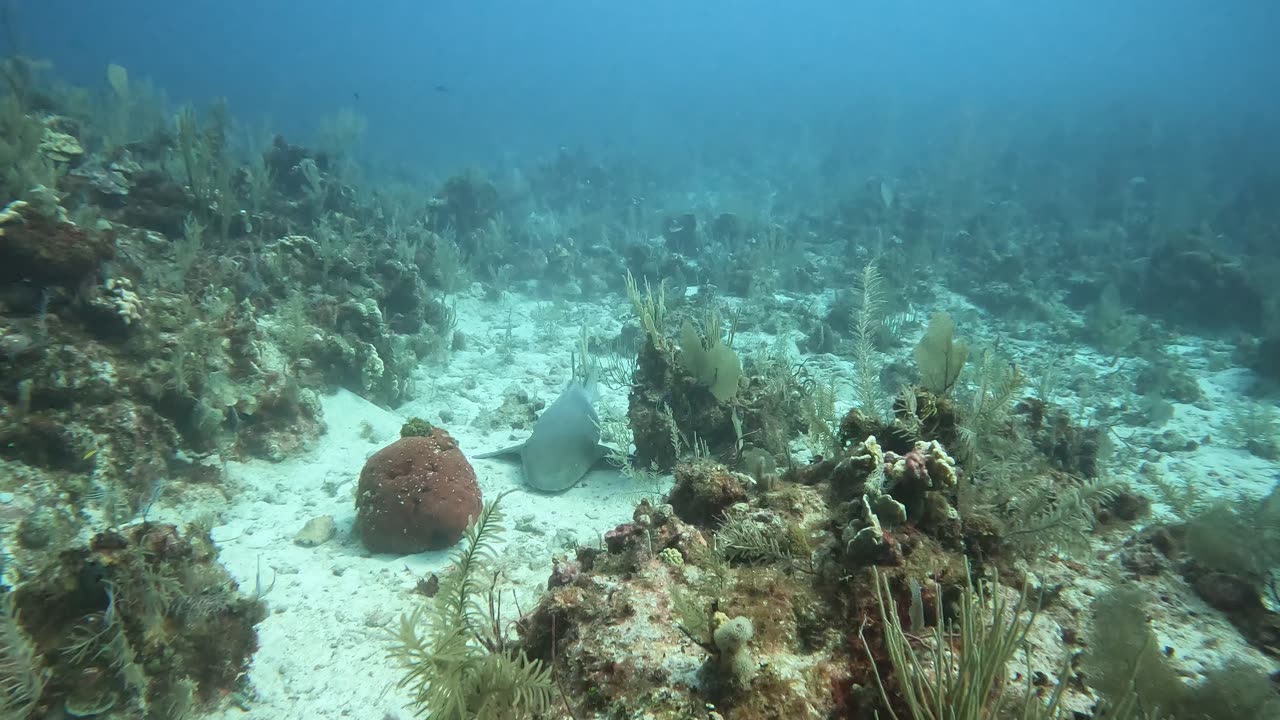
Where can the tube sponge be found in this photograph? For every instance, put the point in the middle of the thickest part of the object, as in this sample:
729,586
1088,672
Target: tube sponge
730,638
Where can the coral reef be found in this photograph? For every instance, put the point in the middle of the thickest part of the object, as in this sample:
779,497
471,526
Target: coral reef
748,619
693,395
909,405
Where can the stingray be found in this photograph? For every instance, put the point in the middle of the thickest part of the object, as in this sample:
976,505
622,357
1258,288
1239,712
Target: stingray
565,442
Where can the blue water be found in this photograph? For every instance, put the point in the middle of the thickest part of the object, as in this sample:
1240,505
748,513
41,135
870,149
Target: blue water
670,75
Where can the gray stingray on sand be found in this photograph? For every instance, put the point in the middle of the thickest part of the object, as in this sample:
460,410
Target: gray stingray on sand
565,442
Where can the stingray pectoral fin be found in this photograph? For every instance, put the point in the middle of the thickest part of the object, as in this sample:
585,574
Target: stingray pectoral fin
513,450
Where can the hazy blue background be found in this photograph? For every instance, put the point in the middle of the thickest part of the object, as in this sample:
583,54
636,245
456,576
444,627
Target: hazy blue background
524,77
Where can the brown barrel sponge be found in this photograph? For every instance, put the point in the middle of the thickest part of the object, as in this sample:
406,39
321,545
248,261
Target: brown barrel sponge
416,494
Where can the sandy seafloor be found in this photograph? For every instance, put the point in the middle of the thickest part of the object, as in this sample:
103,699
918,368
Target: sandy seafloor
324,642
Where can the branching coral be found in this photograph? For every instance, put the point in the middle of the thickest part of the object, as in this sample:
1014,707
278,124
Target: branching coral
22,166
996,385
22,672
1057,520
870,396
208,168
968,682
650,307
745,537
459,661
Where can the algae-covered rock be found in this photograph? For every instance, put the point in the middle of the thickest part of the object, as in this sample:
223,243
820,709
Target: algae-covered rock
143,617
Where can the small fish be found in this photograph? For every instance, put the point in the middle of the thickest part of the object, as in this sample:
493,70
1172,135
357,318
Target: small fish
90,454
441,88
355,96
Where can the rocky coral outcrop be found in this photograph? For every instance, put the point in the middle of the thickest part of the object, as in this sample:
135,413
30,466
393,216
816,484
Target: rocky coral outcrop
705,490
48,249
741,600
141,622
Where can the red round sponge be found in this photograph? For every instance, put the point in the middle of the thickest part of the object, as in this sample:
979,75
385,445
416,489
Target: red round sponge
416,494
